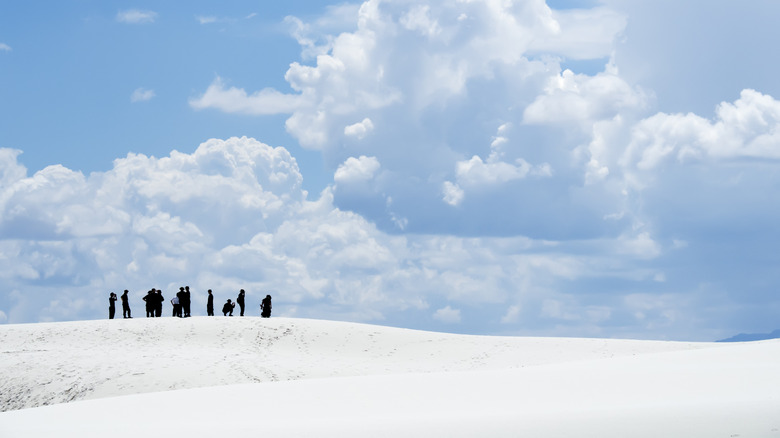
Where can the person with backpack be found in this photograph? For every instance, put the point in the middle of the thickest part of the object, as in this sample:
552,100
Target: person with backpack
228,308
240,301
265,307
125,305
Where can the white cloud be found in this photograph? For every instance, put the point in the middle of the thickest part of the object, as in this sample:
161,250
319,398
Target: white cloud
421,70
5,47
747,128
447,315
359,130
565,180
233,215
235,100
206,19
476,172
418,19
136,16
453,194
641,245
142,95
582,33
584,99
357,170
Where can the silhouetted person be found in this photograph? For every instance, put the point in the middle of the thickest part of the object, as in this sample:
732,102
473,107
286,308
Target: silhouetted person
265,307
185,305
210,304
159,304
240,301
176,306
125,305
228,308
111,305
180,296
151,303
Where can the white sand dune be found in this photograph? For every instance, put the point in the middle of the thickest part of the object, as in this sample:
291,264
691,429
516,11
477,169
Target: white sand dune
294,377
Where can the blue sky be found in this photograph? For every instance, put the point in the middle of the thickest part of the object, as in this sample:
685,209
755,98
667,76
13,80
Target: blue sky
572,168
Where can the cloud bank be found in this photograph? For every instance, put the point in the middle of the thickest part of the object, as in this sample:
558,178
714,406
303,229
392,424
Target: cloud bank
480,179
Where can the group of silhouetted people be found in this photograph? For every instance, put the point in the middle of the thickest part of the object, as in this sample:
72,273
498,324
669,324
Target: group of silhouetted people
154,303
181,304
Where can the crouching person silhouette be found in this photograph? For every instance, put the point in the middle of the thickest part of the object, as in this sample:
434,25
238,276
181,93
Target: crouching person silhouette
228,308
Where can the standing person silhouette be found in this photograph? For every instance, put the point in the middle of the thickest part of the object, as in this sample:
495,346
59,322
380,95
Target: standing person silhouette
182,298
210,304
265,307
125,305
111,305
151,303
159,304
240,301
185,305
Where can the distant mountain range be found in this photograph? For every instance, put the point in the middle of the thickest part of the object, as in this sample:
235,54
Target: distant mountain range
745,337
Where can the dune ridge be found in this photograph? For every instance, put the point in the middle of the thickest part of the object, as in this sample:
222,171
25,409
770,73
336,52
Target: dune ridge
297,377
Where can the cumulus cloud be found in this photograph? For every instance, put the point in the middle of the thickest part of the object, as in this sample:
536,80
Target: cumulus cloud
142,95
577,199
359,130
745,129
418,19
5,47
232,215
475,172
136,16
600,26
585,99
437,78
357,169
453,194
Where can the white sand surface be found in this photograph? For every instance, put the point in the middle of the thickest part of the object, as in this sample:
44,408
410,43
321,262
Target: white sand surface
294,377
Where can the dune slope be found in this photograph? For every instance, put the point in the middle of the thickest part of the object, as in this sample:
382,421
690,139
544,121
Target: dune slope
301,378
49,363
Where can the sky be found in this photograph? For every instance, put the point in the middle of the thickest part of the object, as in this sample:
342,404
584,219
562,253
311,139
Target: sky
569,168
